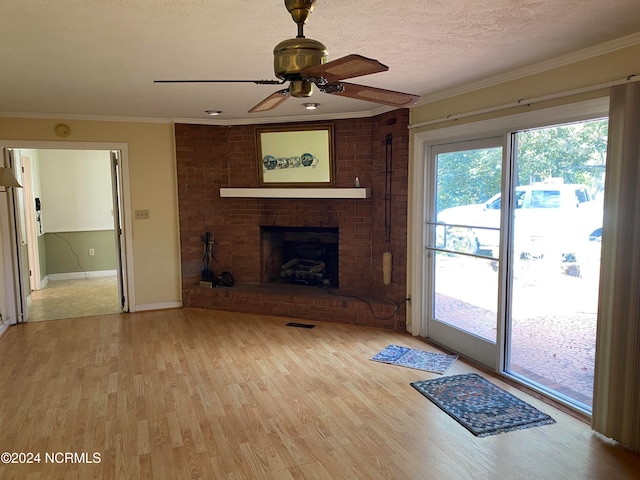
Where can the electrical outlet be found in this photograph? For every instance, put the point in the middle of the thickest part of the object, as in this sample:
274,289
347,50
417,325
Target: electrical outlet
142,214
92,252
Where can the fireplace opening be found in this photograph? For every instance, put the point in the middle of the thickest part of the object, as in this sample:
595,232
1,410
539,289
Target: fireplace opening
300,255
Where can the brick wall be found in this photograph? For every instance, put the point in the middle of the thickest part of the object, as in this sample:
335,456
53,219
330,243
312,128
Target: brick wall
210,157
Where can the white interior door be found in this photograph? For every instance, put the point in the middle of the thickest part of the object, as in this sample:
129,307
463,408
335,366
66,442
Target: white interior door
29,211
117,220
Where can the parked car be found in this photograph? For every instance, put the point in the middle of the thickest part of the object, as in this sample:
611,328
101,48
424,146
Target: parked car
551,218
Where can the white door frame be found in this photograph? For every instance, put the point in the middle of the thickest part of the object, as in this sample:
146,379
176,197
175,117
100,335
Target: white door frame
9,259
126,207
11,252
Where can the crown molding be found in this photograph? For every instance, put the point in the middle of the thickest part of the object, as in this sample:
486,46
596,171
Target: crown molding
557,62
96,118
200,121
287,119
264,120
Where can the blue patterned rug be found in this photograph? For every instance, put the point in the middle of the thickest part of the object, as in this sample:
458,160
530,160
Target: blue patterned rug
418,359
480,406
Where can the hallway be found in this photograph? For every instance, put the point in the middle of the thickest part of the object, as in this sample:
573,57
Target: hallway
74,298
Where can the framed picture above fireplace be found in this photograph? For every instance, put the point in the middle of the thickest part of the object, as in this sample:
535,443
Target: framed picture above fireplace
296,156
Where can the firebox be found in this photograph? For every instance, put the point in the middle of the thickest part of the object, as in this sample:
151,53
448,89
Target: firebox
300,255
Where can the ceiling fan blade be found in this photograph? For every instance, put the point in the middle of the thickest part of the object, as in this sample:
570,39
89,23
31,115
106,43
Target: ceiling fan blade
271,102
377,95
346,67
257,82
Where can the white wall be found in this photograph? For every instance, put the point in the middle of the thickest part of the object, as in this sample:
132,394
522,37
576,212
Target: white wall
75,190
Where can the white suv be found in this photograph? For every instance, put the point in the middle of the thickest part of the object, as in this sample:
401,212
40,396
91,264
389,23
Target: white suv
549,218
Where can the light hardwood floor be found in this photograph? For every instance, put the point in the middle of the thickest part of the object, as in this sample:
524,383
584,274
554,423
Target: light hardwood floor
192,394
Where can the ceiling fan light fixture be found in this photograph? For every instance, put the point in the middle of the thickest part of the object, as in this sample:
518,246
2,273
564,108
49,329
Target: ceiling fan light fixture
302,63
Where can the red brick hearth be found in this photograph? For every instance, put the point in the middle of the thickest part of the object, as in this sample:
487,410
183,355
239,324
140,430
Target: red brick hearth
210,157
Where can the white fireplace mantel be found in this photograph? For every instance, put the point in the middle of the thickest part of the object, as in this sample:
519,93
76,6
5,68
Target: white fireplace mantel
296,192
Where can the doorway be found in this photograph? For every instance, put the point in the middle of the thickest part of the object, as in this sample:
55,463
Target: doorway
70,231
511,245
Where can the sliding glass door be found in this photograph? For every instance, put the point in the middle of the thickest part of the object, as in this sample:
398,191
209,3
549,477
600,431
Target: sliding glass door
464,244
556,258
513,253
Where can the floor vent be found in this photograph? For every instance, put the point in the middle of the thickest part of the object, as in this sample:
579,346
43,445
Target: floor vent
299,325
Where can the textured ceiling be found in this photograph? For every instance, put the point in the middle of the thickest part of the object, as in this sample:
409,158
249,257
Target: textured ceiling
100,57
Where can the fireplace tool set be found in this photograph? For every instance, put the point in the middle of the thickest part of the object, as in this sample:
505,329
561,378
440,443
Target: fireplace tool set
209,278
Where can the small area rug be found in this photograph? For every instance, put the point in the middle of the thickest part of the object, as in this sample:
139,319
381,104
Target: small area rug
418,359
480,406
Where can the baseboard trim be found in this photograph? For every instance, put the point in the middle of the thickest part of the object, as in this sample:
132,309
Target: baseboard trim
156,306
4,327
80,275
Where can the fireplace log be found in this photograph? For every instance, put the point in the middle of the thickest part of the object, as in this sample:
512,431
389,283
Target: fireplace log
304,270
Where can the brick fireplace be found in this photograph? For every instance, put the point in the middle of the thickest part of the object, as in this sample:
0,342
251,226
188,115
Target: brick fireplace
210,157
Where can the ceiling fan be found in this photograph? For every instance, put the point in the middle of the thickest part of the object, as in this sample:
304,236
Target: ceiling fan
303,63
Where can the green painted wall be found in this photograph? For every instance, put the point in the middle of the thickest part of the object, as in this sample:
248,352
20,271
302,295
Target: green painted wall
42,257
26,278
68,252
